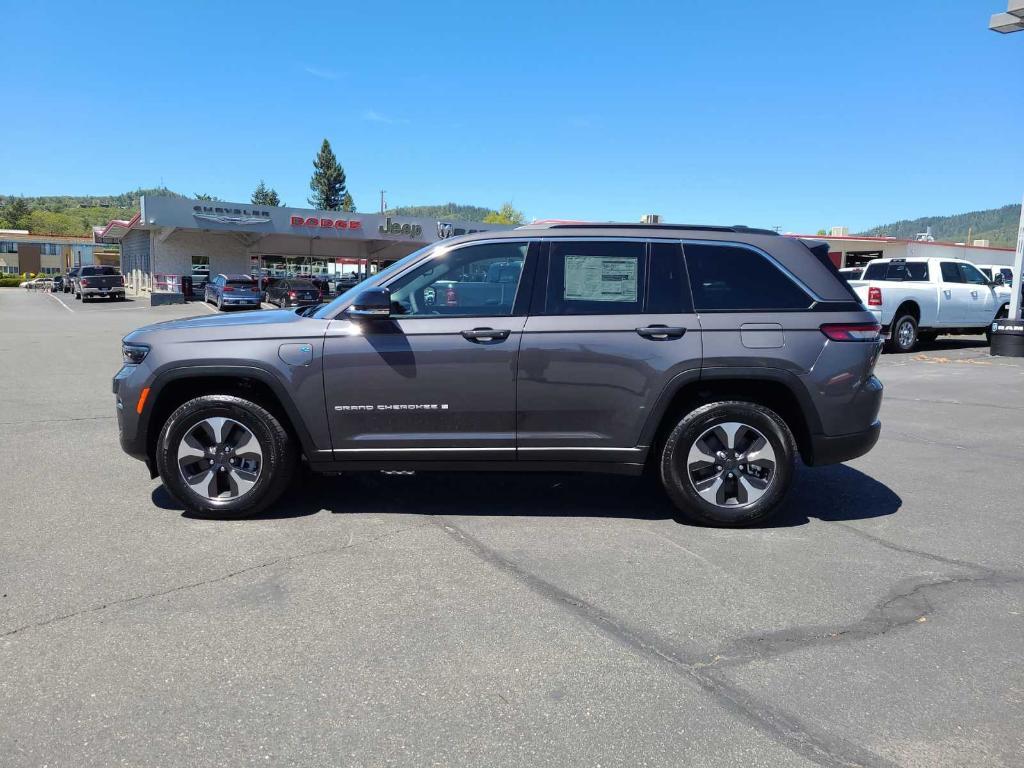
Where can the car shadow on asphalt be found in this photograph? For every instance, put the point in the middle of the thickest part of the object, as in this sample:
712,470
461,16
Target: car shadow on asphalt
831,493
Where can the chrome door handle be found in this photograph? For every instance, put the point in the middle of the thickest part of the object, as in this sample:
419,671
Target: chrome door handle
486,334
974,294
661,332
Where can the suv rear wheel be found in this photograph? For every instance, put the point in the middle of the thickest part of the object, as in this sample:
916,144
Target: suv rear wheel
728,464
224,457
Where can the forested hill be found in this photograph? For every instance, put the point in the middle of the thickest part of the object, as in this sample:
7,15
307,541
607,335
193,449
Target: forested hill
999,225
446,211
70,214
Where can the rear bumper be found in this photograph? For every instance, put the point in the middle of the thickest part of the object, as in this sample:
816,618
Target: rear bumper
117,290
834,449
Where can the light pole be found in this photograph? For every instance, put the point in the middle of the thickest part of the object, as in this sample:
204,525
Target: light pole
1008,335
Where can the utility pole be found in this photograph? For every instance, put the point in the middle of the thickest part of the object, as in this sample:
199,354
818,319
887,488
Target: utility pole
1008,335
383,203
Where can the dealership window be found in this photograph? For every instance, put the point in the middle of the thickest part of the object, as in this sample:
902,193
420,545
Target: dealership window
8,246
727,278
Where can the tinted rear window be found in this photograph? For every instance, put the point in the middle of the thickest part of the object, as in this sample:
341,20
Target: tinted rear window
728,278
897,270
87,271
241,283
301,285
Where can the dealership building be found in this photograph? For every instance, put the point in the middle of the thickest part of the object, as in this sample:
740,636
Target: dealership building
173,236
858,250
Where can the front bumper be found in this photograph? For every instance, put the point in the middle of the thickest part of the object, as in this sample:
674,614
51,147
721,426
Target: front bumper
834,449
127,391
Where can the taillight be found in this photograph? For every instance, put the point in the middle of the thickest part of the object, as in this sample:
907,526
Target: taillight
121,278
292,294
228,289
85,282
450,297
874,297
319,295
851,331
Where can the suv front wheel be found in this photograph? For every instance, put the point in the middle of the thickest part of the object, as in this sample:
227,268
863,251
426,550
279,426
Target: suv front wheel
224,457
728,464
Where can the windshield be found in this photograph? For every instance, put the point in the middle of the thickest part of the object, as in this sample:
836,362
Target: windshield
329,310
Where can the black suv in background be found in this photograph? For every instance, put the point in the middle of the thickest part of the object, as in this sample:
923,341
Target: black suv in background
715,356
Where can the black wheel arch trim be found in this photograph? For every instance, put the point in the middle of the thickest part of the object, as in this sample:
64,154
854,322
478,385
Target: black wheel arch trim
790,380
265,376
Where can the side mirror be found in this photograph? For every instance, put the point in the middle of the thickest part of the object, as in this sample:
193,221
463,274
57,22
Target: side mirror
997,279
373,302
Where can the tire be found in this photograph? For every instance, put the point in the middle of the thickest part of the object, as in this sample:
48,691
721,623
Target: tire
220,304
682,470
78,296
269,467
906,340
1004,311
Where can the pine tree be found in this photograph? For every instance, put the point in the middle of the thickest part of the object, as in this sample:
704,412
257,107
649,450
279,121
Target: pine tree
328,182
346,203
262,195
14,213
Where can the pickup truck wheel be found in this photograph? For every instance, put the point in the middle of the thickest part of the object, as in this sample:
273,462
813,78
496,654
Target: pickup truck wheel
728,464
904,334
224,457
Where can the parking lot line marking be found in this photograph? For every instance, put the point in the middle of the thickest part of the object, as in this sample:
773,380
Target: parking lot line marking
69,309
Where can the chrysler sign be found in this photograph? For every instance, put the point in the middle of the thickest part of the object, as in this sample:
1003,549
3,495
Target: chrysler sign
226,215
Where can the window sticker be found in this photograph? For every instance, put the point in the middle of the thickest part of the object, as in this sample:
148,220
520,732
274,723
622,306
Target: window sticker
600,278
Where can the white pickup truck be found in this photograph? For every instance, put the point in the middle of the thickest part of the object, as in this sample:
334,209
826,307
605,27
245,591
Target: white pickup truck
919,298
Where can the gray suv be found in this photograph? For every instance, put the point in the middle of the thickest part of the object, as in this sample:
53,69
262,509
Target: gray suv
711,356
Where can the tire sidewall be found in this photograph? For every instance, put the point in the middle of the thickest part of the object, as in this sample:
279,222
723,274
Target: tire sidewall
273,441
896,345
675,475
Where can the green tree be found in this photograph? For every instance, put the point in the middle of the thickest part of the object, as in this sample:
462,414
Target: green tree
328,181
15,213
263,195
347,204
822,232
505,215
204,196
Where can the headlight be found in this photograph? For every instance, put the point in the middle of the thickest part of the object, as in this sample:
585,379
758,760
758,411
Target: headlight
134,354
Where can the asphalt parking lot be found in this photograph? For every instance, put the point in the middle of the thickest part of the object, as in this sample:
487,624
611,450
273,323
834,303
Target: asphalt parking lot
506,620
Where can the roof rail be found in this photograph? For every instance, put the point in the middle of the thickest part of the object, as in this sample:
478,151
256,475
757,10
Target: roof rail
738,228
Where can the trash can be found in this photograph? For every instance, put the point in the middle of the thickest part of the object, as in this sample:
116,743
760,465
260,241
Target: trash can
186,287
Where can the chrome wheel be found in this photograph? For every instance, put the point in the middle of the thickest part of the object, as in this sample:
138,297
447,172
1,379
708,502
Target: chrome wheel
731,465
905,333
220,459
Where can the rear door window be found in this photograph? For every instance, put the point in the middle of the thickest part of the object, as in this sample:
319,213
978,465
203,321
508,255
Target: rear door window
596,277
730,278
668,291
951,272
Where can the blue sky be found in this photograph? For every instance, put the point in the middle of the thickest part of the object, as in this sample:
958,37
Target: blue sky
800,114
